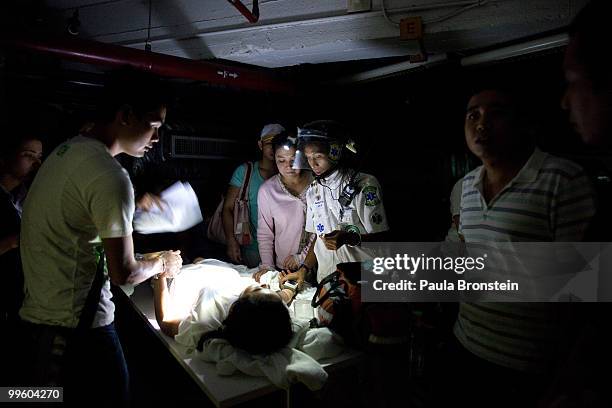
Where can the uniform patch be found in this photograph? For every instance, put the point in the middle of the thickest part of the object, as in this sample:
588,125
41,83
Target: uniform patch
371,196
376,218
320,228
62,150
334,151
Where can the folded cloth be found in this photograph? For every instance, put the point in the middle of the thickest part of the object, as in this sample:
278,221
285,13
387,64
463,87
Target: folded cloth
180,212
282,368
295,363
321,343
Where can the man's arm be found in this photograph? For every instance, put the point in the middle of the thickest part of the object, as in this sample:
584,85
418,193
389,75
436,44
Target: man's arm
160,293
336,239
124,268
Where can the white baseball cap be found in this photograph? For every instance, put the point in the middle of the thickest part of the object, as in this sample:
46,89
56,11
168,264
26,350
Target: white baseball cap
269,131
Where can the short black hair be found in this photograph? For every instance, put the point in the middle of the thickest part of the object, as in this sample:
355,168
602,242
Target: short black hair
141,91
523,107
590,29
520,104
255,324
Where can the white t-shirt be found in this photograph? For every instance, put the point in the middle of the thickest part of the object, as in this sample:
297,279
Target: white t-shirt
80,195
365,215
216,289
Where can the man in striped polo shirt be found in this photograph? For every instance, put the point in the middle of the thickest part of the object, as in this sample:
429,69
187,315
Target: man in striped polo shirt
518,194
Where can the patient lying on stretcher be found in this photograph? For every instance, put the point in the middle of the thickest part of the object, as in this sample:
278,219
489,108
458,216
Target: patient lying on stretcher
216,302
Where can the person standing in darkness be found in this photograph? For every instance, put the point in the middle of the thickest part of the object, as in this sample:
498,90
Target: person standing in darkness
262,170
78,212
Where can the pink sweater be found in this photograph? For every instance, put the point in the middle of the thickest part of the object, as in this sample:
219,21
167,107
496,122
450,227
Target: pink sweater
280,226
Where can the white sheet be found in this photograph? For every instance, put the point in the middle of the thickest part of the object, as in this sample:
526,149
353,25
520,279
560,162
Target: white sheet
297,362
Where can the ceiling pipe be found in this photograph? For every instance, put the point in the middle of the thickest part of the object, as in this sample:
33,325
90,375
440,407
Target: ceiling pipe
97,53
253,16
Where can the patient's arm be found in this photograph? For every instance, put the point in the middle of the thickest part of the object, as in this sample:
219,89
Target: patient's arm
286,295
167,325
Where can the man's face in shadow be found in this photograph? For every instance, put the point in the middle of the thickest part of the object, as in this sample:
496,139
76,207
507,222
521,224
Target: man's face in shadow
490,125
589,103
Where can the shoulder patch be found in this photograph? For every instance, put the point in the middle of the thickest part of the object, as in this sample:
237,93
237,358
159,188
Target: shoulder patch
63,149
376,218
371,196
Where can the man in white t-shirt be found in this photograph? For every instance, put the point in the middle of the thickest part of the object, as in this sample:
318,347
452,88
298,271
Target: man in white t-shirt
81,202
344,206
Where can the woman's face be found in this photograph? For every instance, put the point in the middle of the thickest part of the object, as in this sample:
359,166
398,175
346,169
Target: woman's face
318,159
26,162
284,157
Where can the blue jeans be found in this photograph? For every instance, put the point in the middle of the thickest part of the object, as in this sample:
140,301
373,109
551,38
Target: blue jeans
90,368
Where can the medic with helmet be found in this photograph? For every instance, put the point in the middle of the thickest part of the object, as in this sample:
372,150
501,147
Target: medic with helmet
344,206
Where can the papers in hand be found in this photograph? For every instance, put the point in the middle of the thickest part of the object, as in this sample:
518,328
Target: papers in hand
180,211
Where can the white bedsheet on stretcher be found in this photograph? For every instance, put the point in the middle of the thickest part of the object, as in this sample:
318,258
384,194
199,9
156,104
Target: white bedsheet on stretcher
297,362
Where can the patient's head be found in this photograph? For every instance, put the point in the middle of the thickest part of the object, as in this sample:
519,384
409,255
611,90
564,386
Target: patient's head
258,322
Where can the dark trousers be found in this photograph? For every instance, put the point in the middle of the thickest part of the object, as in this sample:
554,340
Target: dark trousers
464,379
90,366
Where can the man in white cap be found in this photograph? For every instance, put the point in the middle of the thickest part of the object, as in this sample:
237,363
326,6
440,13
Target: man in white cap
258,172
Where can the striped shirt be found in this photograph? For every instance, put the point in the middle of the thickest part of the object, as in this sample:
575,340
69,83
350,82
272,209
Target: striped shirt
550,199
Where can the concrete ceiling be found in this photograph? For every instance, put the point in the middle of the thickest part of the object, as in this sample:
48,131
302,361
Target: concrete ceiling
292,32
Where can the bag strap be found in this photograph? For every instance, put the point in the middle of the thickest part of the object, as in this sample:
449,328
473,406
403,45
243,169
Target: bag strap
245,183
93,297
334,283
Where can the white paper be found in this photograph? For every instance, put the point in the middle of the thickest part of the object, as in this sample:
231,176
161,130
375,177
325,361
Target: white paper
181,211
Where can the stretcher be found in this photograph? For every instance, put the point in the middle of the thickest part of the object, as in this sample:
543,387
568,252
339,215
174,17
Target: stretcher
223,391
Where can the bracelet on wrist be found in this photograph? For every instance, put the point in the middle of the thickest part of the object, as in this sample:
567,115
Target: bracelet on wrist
163,268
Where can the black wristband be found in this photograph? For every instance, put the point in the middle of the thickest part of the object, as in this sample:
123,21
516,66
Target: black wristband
354,238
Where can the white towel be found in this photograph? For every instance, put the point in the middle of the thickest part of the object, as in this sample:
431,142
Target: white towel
321,343
295,363
282,368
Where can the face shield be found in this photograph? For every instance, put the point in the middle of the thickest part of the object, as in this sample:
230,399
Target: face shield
313,142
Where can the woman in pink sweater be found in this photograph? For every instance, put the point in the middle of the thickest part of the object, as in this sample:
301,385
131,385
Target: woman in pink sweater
283,242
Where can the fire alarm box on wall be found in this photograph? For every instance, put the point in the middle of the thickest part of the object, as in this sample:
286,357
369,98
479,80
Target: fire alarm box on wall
411,28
